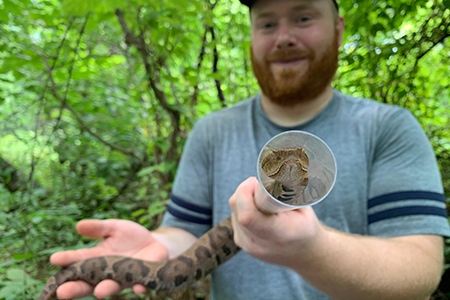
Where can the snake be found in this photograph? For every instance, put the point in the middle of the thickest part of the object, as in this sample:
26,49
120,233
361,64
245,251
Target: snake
287,167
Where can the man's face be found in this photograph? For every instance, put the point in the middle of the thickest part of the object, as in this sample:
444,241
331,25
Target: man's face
294,48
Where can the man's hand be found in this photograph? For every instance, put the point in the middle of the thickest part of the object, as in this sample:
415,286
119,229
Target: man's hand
275,238
120,237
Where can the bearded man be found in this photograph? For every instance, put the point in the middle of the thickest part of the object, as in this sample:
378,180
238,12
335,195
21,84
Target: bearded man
378,235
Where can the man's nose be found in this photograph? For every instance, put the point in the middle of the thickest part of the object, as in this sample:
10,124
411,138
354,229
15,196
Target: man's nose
285,37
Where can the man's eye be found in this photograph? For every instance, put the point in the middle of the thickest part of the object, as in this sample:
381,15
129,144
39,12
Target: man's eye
267,25
303,19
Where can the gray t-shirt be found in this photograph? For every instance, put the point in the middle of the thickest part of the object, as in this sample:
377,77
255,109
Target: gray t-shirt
388,183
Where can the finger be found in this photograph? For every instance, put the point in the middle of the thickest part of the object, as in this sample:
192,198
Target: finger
249,185
245,208
237,232
106,288
65,258
139,289
96,228
232,202
242,237
243,188
246,189
74,290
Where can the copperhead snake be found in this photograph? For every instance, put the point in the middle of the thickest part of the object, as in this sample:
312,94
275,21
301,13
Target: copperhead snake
288,167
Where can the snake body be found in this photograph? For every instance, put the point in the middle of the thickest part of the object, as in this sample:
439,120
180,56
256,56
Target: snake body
210,250
287,167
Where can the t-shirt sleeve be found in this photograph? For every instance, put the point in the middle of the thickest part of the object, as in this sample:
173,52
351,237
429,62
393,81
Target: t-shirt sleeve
190,205
405,187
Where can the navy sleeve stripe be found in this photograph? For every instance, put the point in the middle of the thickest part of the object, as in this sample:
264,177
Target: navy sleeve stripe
402,196
407,211
185,217
190,206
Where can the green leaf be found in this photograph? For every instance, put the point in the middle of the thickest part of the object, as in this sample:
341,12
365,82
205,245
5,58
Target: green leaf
4,15
146,171
79,7
17,275
8,263
164,167
179,108
82,7
138,213
10,291
12,6
19,256
163,144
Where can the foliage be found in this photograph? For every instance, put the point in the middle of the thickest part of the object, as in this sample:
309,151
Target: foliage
98,97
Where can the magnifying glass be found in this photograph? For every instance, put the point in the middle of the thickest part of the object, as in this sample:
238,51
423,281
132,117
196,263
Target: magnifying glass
295,169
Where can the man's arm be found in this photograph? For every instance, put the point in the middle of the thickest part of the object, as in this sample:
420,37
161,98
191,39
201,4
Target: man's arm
347,266
176,240
344,266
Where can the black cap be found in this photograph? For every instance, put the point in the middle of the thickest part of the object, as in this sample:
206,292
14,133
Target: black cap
249,3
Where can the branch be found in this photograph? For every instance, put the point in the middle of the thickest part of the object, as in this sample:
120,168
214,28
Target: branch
139,42
21,111
130,178
215,69
34,159
75,114
153,78
72,63
58,50
199,65
435,43
429,38
12,179
436,37
9,176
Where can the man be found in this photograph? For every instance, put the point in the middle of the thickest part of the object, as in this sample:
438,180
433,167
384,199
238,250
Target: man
376,236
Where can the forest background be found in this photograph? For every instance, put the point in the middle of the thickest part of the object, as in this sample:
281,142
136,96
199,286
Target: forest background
97,98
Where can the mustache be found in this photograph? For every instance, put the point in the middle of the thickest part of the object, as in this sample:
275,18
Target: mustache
289,54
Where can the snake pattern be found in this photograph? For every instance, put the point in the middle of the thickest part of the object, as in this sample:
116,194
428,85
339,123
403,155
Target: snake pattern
286,166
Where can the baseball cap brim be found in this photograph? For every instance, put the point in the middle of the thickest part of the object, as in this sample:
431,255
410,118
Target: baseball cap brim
249,3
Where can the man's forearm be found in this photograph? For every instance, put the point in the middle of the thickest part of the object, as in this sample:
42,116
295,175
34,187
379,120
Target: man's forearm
348,266
176,240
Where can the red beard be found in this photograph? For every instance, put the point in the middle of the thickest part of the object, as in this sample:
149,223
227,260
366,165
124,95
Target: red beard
294,87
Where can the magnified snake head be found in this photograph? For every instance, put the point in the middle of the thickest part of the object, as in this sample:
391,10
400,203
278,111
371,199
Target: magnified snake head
286,165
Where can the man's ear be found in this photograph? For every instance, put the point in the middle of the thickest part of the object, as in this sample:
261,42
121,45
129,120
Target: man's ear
340,28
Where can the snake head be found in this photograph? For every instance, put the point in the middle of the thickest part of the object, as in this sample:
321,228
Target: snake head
286,165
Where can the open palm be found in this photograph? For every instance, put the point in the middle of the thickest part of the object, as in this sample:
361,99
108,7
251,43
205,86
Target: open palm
119,237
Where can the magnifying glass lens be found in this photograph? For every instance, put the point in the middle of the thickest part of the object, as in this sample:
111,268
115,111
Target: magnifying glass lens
295,169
